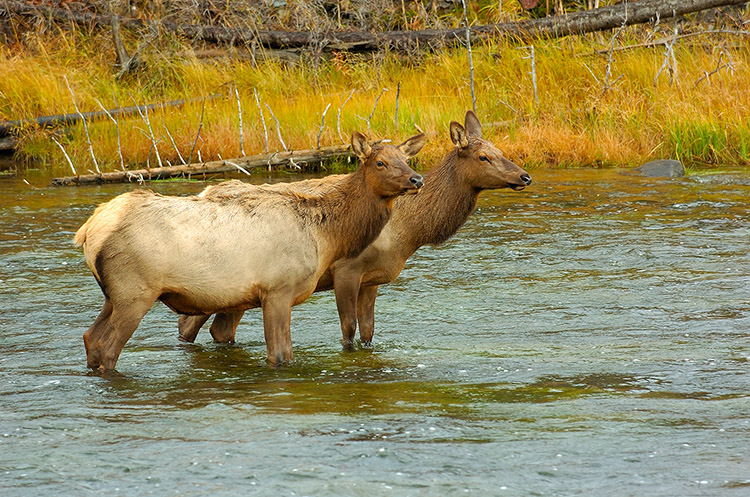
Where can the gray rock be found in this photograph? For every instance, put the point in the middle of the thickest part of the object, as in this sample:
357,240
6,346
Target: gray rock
662,168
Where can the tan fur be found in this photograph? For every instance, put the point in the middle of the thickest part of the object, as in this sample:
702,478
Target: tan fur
445,202
258,247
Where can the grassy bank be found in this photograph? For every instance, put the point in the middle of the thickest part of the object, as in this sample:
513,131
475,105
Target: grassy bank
578,121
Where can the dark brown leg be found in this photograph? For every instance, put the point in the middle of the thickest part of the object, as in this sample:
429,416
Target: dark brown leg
189,326
366,313
346,288
225,325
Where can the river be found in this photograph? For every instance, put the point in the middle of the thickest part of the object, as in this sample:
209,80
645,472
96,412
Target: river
587,336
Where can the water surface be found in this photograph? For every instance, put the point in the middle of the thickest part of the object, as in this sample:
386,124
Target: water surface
588,336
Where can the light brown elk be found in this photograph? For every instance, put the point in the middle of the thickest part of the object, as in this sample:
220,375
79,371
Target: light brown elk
259,249
445,202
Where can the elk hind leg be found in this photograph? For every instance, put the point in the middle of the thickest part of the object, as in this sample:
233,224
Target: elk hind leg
225,325
366,313
189,326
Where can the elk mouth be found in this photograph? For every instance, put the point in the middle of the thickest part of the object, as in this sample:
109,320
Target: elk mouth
410,191
516,187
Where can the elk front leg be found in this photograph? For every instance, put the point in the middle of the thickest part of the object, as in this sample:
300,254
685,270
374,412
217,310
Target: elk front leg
123,320
277,317
225,325
346,288
90,338
189,326
366,313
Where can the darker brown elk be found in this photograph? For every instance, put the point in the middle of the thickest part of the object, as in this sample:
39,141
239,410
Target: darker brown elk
259,249
448,197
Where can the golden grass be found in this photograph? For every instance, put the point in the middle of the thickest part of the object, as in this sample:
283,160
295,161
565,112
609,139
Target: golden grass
575,124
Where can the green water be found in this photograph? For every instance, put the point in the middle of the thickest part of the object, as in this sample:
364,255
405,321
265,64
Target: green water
587,336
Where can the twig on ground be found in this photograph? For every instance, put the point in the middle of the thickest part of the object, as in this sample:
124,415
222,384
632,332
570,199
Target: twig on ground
70,162
173,143
471,59
198,134
278,126
398,93
373,110
338,117
117,129
85,126
608,72
532,56
670,63
322,123
239,113
150,131
719,66
262,120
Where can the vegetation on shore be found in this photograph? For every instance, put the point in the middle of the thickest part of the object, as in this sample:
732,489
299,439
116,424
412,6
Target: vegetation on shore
596,106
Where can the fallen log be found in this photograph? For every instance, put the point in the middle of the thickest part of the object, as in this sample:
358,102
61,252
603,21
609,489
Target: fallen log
8,143
247,163
576,23
6,127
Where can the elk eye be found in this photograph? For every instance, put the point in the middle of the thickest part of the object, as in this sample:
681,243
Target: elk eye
380,163
484,158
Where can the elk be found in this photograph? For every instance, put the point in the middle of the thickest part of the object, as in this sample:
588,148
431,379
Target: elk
443,205
257,249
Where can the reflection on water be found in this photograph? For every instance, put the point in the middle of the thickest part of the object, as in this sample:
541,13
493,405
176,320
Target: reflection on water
586,336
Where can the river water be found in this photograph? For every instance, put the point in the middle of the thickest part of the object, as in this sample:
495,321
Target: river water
587,336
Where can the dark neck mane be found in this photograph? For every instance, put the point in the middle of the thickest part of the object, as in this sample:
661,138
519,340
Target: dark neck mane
438,210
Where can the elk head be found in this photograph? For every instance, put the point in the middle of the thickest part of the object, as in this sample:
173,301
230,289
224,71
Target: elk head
481,162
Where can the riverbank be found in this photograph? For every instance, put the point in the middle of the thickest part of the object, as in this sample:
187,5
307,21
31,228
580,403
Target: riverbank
600,100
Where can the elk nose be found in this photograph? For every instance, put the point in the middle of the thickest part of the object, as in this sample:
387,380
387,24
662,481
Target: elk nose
526,179
417,181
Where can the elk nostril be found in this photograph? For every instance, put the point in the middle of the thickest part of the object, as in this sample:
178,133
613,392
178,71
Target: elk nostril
417,181
526,179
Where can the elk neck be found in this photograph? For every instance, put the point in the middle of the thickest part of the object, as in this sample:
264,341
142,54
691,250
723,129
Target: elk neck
441,207
354,217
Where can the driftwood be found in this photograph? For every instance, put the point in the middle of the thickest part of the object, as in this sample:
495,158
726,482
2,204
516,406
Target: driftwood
202,170
8,143
6,127
575,23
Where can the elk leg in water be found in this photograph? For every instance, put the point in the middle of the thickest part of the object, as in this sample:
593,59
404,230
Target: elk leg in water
366,313
189,326
103,349
94,332
277,316
346,288
225,325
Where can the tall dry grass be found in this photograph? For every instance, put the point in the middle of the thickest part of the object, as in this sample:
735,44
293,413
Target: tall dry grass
576,122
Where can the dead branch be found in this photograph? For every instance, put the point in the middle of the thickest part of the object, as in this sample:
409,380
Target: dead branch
203,170
575,23
338,117
197,135
6,127
263,120
85,125
278,126
322,124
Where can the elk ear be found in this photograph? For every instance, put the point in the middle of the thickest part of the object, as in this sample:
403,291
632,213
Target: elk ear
360,145
413,145
458,135
473,127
